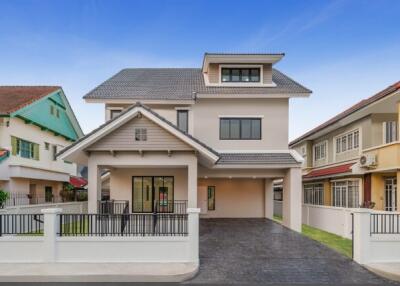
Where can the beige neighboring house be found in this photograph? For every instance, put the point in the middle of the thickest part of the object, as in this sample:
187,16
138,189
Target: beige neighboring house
212,138
35,123
354,158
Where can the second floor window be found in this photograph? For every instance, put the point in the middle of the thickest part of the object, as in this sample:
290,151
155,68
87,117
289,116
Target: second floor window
240,128
240,75
183,120
140,134
390,131
24,149
320,151
114,113
347,142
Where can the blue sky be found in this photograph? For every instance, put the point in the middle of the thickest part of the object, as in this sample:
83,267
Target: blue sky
343,50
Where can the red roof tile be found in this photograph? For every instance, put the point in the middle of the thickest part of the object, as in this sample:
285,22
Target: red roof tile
330,171
13,98
363,103
77,182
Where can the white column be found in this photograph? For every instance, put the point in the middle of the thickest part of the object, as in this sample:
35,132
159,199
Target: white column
51,227
361,232
269,199
192,184
193,228
94,186
291,205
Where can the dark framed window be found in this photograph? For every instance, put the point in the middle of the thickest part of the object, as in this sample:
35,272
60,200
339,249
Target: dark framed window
211,198
48,194
140,134
114,113
183,120
240,74
240,129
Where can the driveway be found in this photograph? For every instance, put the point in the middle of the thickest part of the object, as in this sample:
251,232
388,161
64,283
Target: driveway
262,251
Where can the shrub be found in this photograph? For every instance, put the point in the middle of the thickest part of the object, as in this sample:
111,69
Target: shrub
3,198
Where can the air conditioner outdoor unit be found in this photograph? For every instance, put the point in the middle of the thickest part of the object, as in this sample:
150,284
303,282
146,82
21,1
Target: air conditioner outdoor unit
368,161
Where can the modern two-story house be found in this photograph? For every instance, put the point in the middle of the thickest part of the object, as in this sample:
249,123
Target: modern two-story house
213,138
354,158
35,123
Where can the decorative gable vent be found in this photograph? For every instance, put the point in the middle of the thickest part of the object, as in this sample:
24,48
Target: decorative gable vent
140,134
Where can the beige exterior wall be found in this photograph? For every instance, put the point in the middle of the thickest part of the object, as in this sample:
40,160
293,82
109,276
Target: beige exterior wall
274,122
204,121
234,198
124,138
121,181
22,185
33,134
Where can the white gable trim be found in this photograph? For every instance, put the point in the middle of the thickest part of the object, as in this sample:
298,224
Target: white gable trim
124,118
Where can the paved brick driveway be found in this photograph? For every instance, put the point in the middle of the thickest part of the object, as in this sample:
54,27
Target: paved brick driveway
262,251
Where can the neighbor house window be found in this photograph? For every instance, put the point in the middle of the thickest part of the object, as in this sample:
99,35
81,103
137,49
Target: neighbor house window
211,198
390,131
46,146
240,75
345,194
183,120
240,128
140,134
24,149
114,113
320,151
347,142
54,152
313,194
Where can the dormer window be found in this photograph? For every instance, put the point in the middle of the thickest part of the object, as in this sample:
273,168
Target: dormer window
240,74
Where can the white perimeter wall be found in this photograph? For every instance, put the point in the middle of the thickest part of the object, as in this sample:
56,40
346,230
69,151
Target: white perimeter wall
71,207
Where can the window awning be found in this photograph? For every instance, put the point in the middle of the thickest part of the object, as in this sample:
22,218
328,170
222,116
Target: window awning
345,168
77,182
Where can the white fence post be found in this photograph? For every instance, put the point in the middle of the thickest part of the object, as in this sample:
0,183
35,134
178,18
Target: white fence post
193,228
361,235
50,233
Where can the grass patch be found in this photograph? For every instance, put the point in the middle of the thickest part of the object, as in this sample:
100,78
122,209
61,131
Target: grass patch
336,242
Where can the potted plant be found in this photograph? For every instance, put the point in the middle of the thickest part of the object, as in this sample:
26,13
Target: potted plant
3,198
368,205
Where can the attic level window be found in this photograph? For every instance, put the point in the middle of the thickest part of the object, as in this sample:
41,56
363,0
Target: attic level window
140,134
240,75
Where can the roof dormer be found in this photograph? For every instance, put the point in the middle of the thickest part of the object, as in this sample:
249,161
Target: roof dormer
239,70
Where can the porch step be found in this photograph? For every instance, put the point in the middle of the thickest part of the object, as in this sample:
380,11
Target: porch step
97,272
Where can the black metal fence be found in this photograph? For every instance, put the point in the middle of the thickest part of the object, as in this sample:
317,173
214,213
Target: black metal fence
170,206
384,223
21,224
21,199
123,224
112,207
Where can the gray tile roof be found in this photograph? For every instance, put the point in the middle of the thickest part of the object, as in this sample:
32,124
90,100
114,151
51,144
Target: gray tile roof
179,84
256,158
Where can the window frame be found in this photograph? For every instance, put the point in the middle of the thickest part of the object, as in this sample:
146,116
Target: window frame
208,198
140,134
259,119
320,144
390,125
343,138
250,75
178,112
340,187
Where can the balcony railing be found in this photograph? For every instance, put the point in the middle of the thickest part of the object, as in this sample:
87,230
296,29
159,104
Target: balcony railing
113,207
21,199
170,206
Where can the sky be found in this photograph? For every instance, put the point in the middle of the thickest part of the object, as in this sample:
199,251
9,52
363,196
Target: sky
343,51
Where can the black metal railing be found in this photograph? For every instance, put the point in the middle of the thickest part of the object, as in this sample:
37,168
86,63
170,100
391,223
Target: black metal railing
170,206
112,206
21,224
384,223
21,199
123,224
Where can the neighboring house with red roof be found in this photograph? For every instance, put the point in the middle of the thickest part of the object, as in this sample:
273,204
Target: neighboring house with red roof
35,123
355,156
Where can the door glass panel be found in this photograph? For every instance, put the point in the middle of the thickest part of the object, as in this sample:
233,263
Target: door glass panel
147,194
168,187
137,204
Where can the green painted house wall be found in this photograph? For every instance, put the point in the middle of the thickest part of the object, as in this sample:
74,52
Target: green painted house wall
50,113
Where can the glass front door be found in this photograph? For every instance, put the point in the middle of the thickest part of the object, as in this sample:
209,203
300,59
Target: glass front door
151,194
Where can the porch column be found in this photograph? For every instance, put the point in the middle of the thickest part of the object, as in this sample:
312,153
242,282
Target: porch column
94,187
291,208
269,199
192,184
